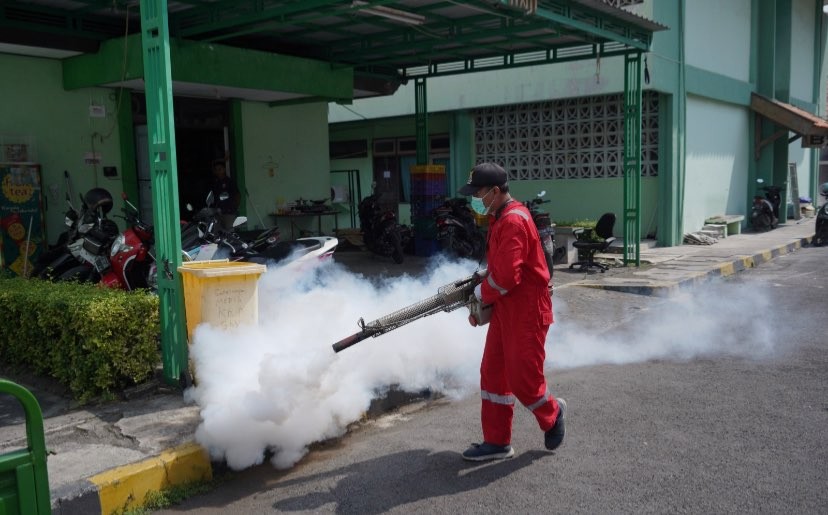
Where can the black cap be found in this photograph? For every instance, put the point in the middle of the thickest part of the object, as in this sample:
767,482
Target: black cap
484,174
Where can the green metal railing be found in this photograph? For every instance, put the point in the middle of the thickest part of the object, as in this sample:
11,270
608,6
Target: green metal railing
24,481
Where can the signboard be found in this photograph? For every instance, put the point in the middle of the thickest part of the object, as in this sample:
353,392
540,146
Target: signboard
814,141
22,235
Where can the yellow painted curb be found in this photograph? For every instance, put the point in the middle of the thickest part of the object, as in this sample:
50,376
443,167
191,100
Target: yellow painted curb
727,269
127,487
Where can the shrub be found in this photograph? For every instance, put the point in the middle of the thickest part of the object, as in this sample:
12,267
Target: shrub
95,341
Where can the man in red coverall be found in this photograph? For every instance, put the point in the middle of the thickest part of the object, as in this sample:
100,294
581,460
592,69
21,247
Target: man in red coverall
517,287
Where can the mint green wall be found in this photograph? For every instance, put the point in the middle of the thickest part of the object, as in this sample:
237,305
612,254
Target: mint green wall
295,140
718,36
57,122
588,199
718,149
802,50
515,86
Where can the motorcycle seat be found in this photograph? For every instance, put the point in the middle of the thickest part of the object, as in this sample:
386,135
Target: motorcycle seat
284,249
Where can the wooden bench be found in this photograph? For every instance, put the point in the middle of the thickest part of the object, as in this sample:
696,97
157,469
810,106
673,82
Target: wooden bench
732,223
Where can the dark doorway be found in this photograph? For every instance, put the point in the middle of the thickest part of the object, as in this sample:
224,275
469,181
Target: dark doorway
387,182
202,128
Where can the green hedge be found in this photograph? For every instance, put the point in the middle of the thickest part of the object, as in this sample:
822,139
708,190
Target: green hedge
95,341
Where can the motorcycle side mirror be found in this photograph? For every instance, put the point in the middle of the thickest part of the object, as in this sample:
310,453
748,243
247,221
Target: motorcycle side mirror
239,220
124,195
224,196
542,193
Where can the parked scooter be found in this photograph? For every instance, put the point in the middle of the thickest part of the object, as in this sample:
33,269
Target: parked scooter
132,254
380,230
457,231
764,214
204,239
821,235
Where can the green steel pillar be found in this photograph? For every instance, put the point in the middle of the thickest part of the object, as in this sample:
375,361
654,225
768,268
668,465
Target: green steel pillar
421,120
632,159
782,89
462,150
164,172
819,86
671,82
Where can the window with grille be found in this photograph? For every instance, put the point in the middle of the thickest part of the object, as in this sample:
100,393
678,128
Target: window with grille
576,138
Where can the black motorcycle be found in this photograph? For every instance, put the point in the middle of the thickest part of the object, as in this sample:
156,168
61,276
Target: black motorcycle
84,255
205,238
546,231
380,230
821,236
764,214
457,231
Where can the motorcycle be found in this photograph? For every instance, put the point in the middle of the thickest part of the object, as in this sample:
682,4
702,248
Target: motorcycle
85,256
204,239
131,258
821,235
380,230
764,214
546,231
457,231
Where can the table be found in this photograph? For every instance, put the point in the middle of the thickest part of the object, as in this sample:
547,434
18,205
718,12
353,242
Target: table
307,214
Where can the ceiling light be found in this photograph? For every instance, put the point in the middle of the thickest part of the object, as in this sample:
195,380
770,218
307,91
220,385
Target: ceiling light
389,13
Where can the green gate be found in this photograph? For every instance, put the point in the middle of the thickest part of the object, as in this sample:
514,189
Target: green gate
24,482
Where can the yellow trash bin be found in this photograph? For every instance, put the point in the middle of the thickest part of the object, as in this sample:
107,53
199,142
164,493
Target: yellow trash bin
221,293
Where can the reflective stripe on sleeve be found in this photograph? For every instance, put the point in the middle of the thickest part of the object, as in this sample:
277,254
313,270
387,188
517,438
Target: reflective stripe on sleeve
535,405
496,286
497,399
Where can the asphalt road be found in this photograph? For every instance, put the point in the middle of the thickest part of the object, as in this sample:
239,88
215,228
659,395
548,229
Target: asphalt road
718,404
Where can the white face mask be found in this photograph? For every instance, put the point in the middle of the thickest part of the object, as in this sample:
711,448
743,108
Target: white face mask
479,206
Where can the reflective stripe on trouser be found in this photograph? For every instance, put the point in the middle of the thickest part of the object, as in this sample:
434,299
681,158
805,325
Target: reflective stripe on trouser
513,367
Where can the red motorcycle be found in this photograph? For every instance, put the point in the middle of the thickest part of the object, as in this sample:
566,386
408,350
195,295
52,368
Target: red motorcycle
131,258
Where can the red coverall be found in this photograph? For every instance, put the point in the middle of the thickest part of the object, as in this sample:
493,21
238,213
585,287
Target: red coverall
517,286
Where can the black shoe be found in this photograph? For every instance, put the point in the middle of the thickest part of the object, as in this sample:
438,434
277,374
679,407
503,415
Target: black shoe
486,451
554,437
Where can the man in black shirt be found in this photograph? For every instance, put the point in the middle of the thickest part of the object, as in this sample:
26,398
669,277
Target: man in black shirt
225,194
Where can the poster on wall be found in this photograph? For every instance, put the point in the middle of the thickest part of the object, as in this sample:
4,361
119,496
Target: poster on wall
22,225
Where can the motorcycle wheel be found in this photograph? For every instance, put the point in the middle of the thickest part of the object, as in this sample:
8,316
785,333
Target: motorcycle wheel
78,273
396,244
456,246
446,242
762,223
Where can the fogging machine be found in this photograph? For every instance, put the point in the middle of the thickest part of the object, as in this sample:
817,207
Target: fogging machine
448,298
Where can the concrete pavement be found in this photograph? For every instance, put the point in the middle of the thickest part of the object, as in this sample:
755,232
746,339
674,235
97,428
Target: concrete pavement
107,458
665,270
